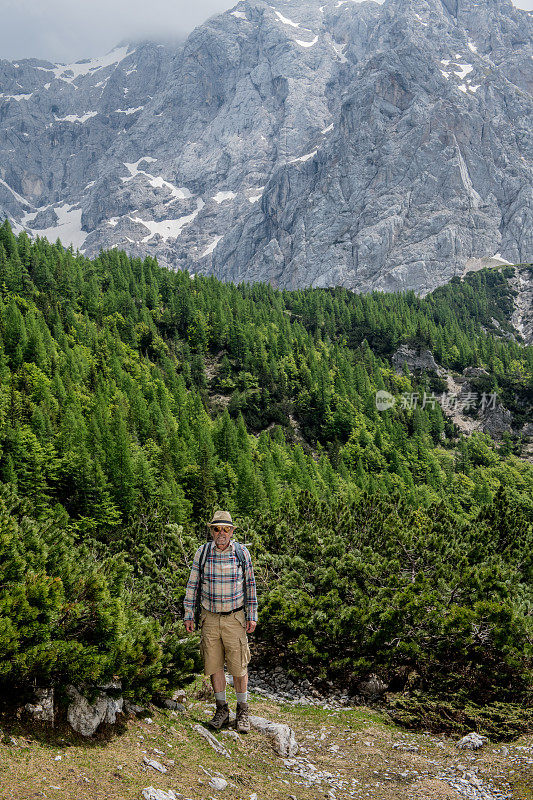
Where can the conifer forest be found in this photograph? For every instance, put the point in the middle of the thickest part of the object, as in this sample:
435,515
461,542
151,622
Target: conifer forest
135,400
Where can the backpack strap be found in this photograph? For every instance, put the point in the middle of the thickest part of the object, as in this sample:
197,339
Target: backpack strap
201,565
241,558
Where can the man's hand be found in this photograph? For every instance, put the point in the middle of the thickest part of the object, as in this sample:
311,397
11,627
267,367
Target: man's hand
189,625
250,626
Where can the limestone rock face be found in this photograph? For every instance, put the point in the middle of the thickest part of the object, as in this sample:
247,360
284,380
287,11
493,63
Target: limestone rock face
415,361
522,317
302,143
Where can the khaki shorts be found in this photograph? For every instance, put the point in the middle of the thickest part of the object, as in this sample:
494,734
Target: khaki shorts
224,639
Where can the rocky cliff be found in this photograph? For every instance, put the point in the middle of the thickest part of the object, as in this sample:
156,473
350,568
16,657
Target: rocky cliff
307,143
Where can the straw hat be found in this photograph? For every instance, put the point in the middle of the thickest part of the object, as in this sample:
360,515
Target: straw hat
222,518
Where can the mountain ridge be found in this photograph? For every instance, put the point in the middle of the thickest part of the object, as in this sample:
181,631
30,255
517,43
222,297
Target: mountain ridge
363,145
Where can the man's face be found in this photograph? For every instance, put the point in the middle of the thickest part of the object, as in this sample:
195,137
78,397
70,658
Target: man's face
222,534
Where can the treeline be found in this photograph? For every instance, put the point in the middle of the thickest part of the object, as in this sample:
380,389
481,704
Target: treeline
134,400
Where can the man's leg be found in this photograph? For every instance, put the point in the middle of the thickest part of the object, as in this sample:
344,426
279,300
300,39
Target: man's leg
237,657
240,683
213,653
218,681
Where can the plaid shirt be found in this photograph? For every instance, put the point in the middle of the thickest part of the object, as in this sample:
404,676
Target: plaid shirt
222,584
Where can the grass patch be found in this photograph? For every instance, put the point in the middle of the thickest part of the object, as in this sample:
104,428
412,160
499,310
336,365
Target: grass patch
364,751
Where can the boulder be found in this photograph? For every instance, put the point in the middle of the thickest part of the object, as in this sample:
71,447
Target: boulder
218,784
114,707
85,717
373,687
472,741
215,744
174,703
283,738
158,794
154,764
42,709
133,708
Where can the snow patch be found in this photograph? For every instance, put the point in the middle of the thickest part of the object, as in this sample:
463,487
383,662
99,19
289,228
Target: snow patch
500,259
465,69
462,87
221,196
208,250
156,181
328,129
76,118
129,110
133,167
286,21
307,44
17,97
69,72
340,50
68,229
254,198
474,88
238,14
445,61
304,158
446,74
168,228
472,46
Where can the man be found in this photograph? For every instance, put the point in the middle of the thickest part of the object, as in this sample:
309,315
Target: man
228,612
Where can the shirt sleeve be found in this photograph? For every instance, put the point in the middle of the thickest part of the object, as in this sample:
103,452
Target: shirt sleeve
251,590
189,601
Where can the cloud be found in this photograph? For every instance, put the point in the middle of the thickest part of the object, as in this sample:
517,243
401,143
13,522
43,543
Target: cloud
65,30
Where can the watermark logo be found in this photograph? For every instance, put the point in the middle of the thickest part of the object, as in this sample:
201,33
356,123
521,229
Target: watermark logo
384,400
449,401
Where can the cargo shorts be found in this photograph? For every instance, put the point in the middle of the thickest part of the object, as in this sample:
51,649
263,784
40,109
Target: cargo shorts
224,639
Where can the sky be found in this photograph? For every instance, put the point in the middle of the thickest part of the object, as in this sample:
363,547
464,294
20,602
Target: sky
66,30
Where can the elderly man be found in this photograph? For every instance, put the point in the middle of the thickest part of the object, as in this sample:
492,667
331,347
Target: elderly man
221,599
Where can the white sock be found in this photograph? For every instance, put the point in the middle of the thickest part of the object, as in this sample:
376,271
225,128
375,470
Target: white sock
242,697
220,696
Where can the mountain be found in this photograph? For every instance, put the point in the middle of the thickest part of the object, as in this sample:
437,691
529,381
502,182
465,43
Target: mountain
356,144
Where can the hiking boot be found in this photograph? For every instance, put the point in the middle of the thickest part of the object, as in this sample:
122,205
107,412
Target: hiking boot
242,719
221,717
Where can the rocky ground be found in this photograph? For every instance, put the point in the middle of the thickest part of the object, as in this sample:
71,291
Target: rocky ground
344,751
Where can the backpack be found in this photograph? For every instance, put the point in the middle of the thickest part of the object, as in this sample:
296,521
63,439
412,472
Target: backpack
203,558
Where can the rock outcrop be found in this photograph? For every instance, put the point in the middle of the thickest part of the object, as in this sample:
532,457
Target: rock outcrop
42,709
85,717
302,143
522,316
421,361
